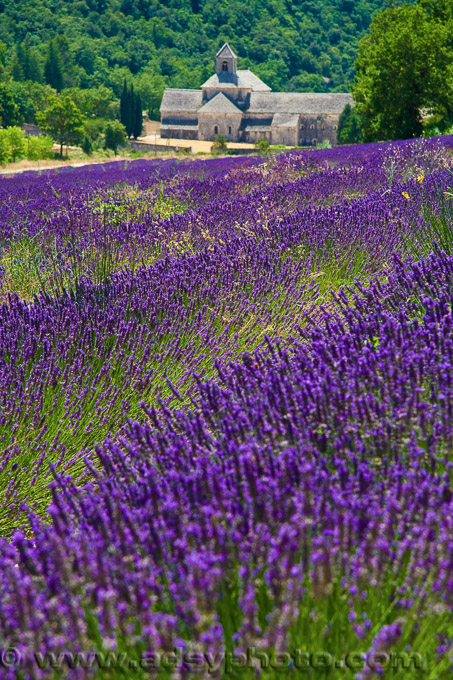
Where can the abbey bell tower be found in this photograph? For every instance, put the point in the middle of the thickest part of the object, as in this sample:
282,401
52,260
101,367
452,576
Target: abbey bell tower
226,62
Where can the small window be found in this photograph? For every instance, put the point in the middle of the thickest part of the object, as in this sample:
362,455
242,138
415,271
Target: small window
313,141
216,129
229,129
312,127
335,127
225,66
302,126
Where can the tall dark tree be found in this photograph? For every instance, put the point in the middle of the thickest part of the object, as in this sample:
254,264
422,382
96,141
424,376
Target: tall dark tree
9,111
131,113
53,72
349,126
19,65
138,117
125,108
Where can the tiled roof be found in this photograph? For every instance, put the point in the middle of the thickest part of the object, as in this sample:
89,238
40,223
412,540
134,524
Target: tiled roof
181,100
285,119
242,79
299,102
225,51
258,128
219,104
177,126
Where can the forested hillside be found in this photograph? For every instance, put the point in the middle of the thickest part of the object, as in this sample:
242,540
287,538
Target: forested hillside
291,44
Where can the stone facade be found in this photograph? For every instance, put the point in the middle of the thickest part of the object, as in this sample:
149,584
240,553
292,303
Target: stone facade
239,106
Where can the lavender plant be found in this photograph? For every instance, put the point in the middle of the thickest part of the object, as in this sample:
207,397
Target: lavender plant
226,417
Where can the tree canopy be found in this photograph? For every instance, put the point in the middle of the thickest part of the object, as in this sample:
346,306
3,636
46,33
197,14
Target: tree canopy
405,71
291,44
9,111
63,120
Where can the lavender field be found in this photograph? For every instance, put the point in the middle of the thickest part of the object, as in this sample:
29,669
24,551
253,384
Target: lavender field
226,417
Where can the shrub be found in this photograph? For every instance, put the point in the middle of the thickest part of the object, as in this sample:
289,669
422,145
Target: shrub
219,144
87,146
16,141
39,148
115,135
5,151
262,145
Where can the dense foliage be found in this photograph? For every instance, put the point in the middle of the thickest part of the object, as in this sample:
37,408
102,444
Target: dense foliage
293,45
245,366
404,81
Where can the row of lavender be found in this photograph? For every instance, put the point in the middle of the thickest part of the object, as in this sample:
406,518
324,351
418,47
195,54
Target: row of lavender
74,367
302,487
311,477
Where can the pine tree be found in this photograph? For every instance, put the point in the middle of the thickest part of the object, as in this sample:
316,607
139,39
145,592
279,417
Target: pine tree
33,66
18,70
138,118
52,69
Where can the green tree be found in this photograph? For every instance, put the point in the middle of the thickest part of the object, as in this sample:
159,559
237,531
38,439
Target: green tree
131,113
95,102
5,149
125,109
138,117
26,63
53,72
68,67
63,120
94,130
30,97
349,126
87,146
9,111
17,70
16,141
115,135
404,66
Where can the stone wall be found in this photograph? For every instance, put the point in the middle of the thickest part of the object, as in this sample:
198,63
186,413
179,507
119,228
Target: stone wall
316,129
284,135
179,132
212,124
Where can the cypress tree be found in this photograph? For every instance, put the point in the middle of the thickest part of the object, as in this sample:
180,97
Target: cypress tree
138,118
124,106
130,113
52,69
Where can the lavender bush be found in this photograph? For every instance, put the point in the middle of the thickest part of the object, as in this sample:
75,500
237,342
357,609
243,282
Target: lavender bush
226,416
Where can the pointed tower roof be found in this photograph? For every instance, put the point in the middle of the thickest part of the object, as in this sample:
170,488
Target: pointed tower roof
219,104
226,51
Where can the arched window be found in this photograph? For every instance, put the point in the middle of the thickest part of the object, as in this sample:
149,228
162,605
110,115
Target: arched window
216,129
229,129
314,141
224,66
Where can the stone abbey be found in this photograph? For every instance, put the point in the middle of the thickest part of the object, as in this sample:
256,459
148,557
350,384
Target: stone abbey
238,105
